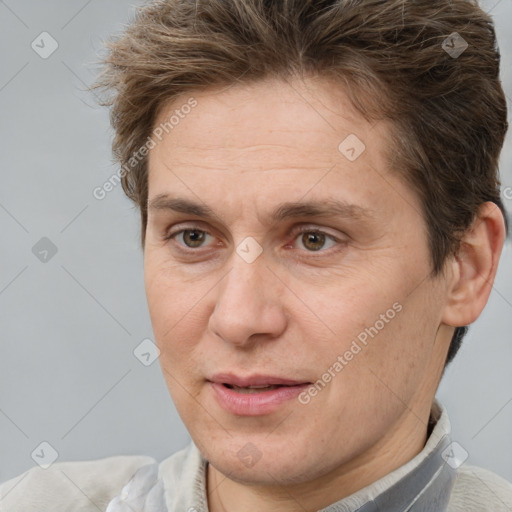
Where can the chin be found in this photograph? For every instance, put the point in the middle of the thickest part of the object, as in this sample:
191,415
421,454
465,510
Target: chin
255,460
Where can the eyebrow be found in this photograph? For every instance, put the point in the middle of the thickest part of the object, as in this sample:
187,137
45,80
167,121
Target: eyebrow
292,209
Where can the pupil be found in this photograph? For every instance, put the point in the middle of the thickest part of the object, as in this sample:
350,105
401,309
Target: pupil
313,241
193,238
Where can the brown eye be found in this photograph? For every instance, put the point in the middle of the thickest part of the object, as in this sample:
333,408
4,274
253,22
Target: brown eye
192,237
313,241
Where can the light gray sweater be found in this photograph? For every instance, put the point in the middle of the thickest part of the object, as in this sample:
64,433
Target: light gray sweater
436,480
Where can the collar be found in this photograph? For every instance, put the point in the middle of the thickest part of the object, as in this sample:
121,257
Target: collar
423,484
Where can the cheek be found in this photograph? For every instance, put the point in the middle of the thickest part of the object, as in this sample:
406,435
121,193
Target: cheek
398,359
361,312
384,336
170,299
175,312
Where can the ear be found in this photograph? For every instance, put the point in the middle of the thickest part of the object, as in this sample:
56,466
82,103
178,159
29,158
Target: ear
474,267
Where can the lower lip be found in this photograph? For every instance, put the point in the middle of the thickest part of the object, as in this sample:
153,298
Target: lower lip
254,404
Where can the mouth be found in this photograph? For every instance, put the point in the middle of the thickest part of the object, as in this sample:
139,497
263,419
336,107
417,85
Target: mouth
254,389
256,383
254,395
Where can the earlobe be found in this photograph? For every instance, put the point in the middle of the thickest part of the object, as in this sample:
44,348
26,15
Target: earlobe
474,267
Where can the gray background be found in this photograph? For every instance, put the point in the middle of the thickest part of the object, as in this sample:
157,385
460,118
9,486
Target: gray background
69,326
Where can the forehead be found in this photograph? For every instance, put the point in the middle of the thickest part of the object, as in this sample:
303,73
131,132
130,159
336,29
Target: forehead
287,119
259,139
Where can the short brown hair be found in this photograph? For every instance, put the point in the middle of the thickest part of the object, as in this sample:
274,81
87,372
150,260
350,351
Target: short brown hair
392,57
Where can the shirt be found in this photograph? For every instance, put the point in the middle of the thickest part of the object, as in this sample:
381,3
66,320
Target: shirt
435,480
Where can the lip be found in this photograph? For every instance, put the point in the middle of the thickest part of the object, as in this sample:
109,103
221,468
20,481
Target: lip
253,380
258,403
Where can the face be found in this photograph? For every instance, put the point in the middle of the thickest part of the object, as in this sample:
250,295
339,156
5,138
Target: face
281,252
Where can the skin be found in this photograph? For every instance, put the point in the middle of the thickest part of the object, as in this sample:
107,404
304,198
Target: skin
243,151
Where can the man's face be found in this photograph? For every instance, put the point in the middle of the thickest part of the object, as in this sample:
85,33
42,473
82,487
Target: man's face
311,267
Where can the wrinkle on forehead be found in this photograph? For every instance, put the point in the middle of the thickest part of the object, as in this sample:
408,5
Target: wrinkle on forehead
278,129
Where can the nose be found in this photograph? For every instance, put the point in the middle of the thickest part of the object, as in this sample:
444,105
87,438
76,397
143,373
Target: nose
248,304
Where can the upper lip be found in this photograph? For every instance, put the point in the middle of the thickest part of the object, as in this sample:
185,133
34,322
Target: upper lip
253,380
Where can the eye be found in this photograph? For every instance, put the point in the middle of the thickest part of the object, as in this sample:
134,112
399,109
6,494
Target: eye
314,240
307,238
191,238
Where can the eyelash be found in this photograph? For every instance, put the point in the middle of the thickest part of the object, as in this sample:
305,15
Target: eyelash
295,233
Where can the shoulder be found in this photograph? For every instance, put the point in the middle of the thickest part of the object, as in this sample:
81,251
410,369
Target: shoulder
82,485
477,489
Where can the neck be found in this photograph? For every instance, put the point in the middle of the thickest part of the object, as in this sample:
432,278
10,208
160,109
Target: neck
392,451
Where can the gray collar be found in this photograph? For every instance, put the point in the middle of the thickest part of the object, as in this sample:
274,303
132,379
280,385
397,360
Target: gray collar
424,484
